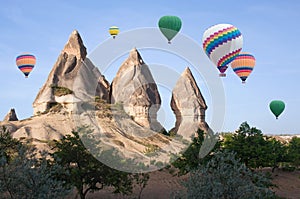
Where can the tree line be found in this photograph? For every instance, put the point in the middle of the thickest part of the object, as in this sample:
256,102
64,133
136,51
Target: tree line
228,171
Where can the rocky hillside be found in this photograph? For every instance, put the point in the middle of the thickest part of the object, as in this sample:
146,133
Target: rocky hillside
123,114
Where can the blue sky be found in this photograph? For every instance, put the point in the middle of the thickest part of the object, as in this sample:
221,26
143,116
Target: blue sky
270,29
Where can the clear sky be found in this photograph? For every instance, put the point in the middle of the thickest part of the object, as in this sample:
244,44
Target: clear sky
270,29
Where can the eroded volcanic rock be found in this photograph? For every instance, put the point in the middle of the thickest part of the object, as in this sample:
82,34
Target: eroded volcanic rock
72,77
135,87
188,105
11,116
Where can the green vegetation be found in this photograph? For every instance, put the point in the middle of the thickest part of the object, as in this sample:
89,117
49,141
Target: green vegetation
84,171
228,171
60,91
293,152
224,176
189,159
257,150
24,173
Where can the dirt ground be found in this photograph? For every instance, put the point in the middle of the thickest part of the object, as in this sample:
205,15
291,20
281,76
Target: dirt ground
162,184
288,183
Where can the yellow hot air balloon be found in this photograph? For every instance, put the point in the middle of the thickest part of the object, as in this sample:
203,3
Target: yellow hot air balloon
114,31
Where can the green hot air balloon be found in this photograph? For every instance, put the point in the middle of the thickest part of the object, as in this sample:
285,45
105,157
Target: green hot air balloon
169,26
277,107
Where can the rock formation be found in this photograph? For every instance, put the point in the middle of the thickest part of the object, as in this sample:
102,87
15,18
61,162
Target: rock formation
66,101
72,78
188,105
135,87
11,116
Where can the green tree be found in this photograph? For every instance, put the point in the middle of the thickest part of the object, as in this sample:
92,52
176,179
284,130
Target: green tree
276,153
223,177
190,159
85,172
293,148
250,146
23,175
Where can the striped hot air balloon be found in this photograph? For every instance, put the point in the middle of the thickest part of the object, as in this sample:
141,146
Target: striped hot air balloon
222,43
25,63
114,31
243,65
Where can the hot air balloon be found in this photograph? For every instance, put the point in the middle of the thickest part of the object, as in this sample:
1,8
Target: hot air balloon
222,43
114,31
277,107
169,26
25,63
243,65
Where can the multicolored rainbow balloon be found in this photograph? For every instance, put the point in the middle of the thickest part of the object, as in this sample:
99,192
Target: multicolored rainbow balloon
222,43
243,65
25,63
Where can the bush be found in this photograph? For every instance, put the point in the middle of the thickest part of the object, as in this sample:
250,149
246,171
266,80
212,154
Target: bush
60,91
224,176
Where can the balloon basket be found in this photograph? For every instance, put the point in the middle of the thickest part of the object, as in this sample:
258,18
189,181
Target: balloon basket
169,42
222,75
243,82
114,37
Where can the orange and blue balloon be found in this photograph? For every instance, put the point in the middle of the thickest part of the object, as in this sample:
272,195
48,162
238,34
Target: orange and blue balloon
25,63
243,65
222,43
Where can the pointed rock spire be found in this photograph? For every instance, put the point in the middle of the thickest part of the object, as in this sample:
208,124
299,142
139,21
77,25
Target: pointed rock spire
75,75
188,103
135,87
11,116
75,46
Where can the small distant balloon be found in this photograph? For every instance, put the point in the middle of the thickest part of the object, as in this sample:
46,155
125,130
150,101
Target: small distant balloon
169,26
114,31
222,43
277,107
25,63
243,65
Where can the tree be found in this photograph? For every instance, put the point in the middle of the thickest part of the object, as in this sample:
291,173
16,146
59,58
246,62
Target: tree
224,177
190,159
276,153
84,171
250,146
294,151
23,175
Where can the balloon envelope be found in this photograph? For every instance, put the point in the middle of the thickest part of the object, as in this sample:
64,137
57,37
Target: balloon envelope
25,63
169,26
222,43
277,107
113,31
243,65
